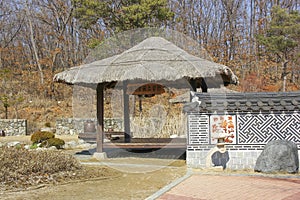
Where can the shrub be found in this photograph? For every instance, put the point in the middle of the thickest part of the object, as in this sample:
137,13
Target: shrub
48,124
41,136
58,143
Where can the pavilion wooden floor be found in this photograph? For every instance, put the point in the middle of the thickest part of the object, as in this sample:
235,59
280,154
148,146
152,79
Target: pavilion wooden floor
138,143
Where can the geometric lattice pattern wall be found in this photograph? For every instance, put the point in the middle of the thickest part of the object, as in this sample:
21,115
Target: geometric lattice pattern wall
263,128
198,125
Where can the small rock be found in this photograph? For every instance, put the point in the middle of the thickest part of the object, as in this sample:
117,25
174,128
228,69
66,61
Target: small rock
52,148
81,141
27,146
13,144
70,145
106,140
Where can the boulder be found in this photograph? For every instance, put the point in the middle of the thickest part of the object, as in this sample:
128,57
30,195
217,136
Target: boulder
278,156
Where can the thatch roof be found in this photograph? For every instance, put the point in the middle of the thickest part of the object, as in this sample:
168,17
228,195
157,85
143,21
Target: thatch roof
153,59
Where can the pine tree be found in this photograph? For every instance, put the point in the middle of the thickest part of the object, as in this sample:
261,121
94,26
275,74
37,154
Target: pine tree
281,40
119,16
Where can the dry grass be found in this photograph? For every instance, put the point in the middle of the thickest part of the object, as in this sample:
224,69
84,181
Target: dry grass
159,127
21,168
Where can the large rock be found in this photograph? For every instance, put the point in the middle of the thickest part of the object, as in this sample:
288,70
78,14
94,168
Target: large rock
278,156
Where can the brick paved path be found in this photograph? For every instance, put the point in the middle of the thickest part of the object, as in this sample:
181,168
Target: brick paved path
218,187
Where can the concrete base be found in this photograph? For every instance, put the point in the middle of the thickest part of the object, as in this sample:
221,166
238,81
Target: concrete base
100,156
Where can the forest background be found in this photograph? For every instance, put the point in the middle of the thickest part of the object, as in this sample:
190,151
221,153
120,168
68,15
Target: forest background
258,39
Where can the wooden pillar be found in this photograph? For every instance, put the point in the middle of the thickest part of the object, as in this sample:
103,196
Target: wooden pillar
140,103
193,85
203,85
100,117
126,113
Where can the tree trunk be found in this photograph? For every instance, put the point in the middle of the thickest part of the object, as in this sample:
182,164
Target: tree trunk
284,84
6,112
34,44
284,74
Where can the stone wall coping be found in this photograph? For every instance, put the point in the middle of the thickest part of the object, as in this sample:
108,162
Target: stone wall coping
248,102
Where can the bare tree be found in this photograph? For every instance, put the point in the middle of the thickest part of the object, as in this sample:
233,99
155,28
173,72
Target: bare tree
33,43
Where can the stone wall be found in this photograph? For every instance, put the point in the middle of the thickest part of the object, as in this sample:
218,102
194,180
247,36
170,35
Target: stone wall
238,158
74,126
252,132
13,127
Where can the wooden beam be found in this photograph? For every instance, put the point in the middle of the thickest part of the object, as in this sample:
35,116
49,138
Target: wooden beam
126,113
100,117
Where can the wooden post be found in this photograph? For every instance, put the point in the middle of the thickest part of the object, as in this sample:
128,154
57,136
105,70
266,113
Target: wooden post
203,85
126,113
140,103
193,85
100,117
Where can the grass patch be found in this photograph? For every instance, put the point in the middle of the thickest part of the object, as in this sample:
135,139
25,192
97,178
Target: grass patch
21,168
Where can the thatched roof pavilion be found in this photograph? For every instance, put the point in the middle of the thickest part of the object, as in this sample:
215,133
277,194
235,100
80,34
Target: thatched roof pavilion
154,59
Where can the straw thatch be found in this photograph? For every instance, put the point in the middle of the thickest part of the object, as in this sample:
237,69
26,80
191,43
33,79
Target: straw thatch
153,59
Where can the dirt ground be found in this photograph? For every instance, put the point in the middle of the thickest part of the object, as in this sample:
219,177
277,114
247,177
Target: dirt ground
126,178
